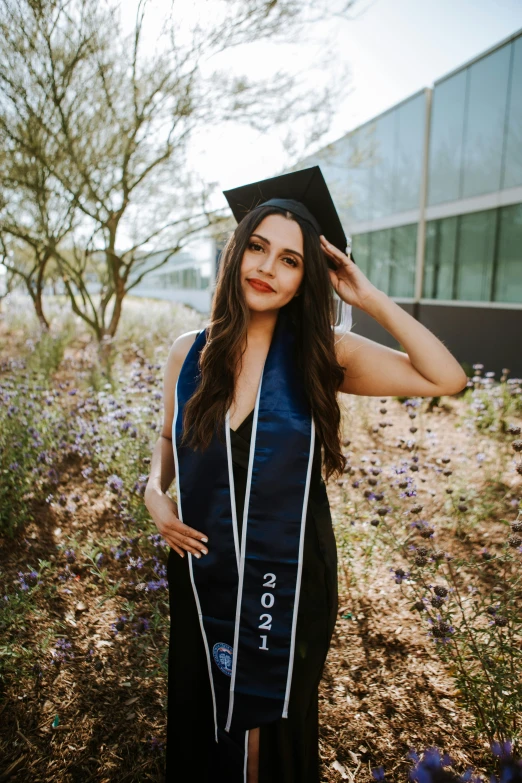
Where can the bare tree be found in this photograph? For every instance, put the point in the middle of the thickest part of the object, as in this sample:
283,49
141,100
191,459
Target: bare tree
95,127
7,278
34,219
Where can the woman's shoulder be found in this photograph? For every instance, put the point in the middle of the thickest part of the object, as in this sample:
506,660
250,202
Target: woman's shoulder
182,344
177,355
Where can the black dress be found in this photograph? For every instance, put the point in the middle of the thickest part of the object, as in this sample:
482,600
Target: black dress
288,747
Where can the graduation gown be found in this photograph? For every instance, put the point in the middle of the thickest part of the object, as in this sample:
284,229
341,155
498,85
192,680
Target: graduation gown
288,749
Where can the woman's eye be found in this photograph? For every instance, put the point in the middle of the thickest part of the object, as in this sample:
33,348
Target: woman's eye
257,246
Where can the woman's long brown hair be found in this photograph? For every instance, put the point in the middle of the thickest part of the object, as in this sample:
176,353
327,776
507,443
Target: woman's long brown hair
220,358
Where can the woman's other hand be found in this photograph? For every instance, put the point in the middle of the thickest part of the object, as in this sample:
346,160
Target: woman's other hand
181,537
350,282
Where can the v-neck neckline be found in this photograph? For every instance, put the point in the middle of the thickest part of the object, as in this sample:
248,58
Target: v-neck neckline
244,421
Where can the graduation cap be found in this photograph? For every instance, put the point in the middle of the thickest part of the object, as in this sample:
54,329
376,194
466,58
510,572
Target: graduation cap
303,192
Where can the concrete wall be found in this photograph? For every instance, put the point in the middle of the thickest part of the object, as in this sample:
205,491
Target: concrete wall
485,335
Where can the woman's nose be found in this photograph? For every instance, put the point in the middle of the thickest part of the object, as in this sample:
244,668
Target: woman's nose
268,264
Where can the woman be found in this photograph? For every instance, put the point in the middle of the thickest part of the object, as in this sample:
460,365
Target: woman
242,703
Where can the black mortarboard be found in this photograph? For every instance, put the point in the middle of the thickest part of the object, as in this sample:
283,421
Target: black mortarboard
303,192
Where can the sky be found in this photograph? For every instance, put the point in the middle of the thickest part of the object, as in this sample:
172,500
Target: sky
394,49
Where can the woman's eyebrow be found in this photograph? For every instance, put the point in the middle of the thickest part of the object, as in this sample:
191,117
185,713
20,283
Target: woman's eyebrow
285,249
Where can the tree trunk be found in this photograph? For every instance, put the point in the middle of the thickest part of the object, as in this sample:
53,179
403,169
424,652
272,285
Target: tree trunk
116,313
106,356
37,296
38,306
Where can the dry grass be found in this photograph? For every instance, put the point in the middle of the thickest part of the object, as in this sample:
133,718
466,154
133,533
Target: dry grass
384,689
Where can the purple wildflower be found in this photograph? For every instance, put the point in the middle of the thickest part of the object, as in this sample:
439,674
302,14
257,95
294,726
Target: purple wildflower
119,625
142,625
134,564
154,744
441,630
159,585
399,574
115,483
429,769
502,749
157,540
140,484
120,554
61,652
29,579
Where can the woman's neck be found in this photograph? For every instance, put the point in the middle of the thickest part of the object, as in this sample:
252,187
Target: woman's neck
261,325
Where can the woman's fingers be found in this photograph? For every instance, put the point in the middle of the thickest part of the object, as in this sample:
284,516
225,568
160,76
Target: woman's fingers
334,252
186,530
331,255
189,531
181,547
192,537
190,544
176,533
179,526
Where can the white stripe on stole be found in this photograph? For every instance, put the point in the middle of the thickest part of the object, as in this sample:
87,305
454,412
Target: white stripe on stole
232,487
180,514
299,569
243,546
247,732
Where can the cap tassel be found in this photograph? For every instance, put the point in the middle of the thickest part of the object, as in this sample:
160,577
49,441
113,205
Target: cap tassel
343,322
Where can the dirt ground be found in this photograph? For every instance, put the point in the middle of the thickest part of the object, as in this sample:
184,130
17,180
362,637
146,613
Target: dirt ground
384,689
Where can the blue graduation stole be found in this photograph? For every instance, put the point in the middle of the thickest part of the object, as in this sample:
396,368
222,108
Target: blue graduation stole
247,592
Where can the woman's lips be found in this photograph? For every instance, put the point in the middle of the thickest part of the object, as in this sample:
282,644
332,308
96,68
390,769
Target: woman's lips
260,287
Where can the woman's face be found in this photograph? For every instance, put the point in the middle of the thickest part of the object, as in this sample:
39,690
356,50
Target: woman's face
275,256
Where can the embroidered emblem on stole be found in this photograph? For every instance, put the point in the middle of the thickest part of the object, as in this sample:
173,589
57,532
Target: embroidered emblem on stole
247,592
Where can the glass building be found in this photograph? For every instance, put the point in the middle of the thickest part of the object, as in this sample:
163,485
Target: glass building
186,277
431,193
